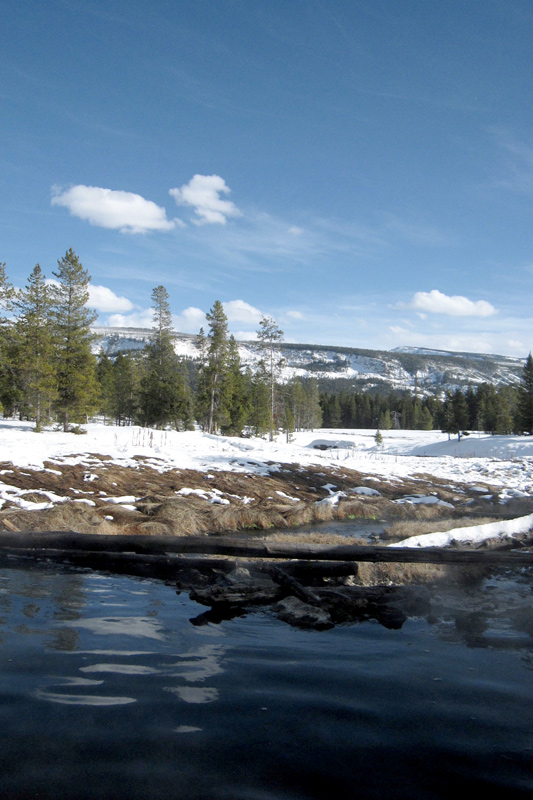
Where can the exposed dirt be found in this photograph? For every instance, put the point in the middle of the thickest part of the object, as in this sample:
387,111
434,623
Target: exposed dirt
228,501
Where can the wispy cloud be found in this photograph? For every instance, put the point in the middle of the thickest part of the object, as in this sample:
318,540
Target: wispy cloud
518,162
415,232
203,194
435,302
115,209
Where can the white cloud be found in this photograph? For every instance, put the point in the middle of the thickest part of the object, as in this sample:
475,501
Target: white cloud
190,320
138,319
103,299
295,315
203,194
295,230
436,302
516,345
397,330
107,208
239,311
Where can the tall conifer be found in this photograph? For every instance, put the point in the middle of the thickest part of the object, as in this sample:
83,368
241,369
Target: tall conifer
214,384
163,395
35,347
270,335
75,363
525,397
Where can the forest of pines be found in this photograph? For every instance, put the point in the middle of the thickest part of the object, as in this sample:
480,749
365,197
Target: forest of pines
50,374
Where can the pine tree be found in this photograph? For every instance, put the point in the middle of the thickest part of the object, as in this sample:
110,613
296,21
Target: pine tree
35,347
295,404
525,398
455,413
7,293
504,413
260,401
385,422
214,384
126,389
487,403
163,392
269,335
9,393
75,363
312,416
426,420
238,394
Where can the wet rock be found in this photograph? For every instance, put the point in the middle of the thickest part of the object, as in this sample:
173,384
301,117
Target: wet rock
302,615
239,587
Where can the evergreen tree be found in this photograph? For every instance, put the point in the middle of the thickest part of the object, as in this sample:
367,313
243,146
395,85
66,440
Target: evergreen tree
385,422
126,389
487,404
426,420
75,363
456,413
104,375
8,389
269,335
525,398
504,411
303,401
6,289
214,383
334,412
238,394
312,416
348,410
36,364
163,391
260,418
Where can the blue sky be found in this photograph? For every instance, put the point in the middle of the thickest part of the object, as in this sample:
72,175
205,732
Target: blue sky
360,171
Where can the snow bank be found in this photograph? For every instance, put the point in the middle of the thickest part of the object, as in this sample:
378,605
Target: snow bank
477,533
503,462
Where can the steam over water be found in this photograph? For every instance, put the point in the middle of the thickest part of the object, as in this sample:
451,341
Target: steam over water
109,691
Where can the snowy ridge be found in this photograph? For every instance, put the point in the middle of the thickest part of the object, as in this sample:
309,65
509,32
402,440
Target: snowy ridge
404,368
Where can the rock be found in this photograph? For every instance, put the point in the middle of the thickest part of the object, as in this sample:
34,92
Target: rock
238,588
234,595
302,615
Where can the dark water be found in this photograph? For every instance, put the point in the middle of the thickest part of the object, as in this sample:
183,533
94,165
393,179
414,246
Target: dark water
109,691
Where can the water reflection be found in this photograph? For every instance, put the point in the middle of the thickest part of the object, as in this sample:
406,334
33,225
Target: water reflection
138,698
136,627
83,699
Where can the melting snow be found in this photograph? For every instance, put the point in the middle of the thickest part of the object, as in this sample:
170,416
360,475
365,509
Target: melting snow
500,463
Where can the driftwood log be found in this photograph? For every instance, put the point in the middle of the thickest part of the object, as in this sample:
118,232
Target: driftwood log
52,543
233,584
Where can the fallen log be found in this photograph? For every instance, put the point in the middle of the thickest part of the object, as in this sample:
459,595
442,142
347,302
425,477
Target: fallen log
291,584
41,543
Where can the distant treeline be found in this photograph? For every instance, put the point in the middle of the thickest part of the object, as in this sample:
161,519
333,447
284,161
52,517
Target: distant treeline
48,373
496,410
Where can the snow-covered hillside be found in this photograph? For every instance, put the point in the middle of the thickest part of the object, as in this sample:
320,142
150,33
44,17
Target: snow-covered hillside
430,372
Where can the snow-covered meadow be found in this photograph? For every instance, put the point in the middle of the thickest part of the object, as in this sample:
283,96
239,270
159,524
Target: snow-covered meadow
503,462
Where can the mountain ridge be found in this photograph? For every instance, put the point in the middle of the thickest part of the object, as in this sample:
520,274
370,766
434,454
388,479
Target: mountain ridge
425,370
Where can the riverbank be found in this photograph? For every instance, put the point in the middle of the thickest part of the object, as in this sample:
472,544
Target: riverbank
133,480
